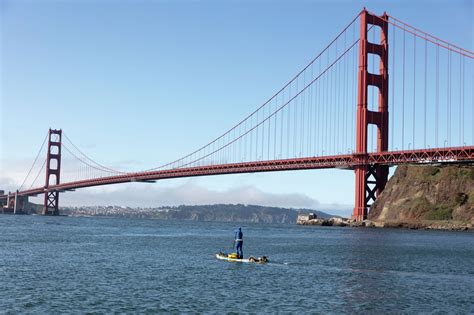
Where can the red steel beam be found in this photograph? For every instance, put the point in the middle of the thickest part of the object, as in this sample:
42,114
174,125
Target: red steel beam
347,161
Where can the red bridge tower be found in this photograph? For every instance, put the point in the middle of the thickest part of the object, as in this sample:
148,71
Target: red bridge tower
53,169
371,179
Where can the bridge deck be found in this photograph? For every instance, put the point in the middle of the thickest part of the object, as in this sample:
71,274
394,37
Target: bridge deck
346,161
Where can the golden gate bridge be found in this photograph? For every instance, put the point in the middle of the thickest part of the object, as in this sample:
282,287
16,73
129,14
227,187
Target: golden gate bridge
382,93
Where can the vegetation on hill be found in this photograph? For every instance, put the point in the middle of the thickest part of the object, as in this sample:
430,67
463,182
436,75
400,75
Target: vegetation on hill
424,193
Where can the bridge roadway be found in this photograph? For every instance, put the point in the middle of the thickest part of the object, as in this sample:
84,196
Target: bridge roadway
346,161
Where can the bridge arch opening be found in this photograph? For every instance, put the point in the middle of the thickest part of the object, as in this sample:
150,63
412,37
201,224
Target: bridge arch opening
52,180
53,149
53,164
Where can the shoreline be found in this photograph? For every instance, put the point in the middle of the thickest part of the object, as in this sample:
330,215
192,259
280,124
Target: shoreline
427,225
410,225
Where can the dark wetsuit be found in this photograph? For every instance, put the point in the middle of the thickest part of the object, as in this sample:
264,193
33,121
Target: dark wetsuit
239,240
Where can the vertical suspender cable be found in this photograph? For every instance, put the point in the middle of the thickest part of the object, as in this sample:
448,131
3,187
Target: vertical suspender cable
333,109
319,113
278,117
324,115
353,97
426,89
462,101
288,128
461,109
245,143
333,104
295,118
340,99
316,117
414,90
344,97
251,139
263,132
448,95
281,123
269,125
437,96
239,153
392,109
303,101
337,112
310,116
256,137
403,92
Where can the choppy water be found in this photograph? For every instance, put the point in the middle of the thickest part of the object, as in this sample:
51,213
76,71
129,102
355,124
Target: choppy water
79,265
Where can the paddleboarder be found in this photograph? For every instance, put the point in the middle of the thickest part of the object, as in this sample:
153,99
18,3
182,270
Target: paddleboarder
239,240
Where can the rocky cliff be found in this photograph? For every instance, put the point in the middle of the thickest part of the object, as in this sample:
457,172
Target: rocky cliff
427,193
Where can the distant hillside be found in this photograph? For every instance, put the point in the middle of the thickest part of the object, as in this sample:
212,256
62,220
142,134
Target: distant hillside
424,193
220,212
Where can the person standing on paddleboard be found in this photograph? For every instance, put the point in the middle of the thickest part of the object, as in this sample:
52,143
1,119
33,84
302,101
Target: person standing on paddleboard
239,240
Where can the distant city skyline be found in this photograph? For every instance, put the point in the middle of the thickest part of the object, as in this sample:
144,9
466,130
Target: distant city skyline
136,85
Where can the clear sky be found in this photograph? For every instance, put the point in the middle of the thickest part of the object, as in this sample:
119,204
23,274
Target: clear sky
136,84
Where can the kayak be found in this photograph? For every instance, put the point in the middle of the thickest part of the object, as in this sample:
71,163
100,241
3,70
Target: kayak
251,259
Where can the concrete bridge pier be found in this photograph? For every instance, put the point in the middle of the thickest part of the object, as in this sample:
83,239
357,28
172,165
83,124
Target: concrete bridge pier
15,204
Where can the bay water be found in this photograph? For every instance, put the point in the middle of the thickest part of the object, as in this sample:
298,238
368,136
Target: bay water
105,265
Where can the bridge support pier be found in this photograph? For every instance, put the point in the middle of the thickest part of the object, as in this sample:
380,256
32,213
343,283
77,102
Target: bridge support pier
53,171
15,206
8,200
21,203
371,179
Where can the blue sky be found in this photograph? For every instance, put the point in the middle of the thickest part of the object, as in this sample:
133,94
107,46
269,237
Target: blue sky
136,84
